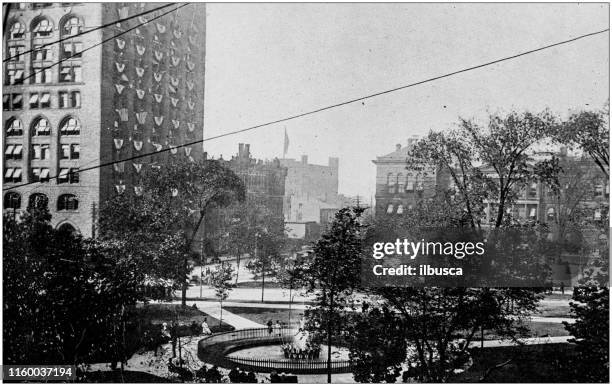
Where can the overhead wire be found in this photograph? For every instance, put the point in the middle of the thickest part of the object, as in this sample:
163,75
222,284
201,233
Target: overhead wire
329,107
42,69
38,48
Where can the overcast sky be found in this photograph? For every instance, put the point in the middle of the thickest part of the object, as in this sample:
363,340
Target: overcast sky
269,61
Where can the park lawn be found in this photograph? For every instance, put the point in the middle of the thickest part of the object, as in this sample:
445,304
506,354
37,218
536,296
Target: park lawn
554,310
536,329
156,314
256,284
118,377
262,315
533,364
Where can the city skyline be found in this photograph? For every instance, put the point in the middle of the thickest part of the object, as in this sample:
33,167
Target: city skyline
266,62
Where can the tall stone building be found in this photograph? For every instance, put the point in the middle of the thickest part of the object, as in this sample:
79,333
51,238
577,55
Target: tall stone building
121,91
309,188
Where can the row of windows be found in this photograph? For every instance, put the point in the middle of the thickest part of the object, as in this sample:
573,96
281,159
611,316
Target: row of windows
41,127
69,72
400,209
42,100
42,27
12,200
41,151
66,175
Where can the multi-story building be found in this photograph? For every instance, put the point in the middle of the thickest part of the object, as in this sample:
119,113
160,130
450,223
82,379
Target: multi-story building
265,185
125,90
397,188
583,196
309,188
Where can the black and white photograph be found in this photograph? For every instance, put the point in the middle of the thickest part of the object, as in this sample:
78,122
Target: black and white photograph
356,192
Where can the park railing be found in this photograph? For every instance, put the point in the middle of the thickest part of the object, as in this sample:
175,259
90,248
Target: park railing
217,349
300,366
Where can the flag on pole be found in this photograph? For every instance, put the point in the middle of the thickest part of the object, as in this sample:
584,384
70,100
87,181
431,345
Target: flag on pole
286,144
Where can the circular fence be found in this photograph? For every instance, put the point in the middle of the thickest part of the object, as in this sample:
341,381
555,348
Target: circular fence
217,349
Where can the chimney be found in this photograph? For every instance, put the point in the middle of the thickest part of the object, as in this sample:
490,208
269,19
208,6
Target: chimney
247,152
398,147
240,149
412,140
333,162
304,159
205,155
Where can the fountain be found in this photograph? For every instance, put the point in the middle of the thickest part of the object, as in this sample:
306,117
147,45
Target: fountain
291,349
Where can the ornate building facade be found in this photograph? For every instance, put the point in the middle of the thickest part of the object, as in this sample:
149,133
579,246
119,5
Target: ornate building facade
94,98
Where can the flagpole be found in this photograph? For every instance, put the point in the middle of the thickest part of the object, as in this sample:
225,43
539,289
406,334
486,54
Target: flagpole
285,144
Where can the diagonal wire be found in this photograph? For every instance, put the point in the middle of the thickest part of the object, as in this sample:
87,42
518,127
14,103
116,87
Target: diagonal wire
41,69
86,32
311,112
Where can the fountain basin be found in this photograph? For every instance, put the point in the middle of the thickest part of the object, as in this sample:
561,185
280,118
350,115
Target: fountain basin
256,350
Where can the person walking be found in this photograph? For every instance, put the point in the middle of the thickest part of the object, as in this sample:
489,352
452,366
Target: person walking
205,329
277,327
270,328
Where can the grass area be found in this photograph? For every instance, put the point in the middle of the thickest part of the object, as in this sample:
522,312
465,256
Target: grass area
556,296
535,363
157,314
554,310
536,329
257,284
118,377
262,315
546,329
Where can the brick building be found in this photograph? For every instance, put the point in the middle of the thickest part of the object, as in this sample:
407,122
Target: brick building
309,188
137,87
397,188
265,184
584,196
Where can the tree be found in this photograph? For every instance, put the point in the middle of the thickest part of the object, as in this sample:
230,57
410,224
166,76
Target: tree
253,229
375,357
590,306
442,322
334,272
65,298
485,164
221,281
159,222
506,146
589,130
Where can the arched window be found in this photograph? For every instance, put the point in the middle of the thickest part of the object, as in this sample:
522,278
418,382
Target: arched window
41,28
70,126
67,202
533,190
66,227
38,201
597,214
71,48
12,200
409,183
14,128
399,181
17,30
550,213
391,183
72,26
41,127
